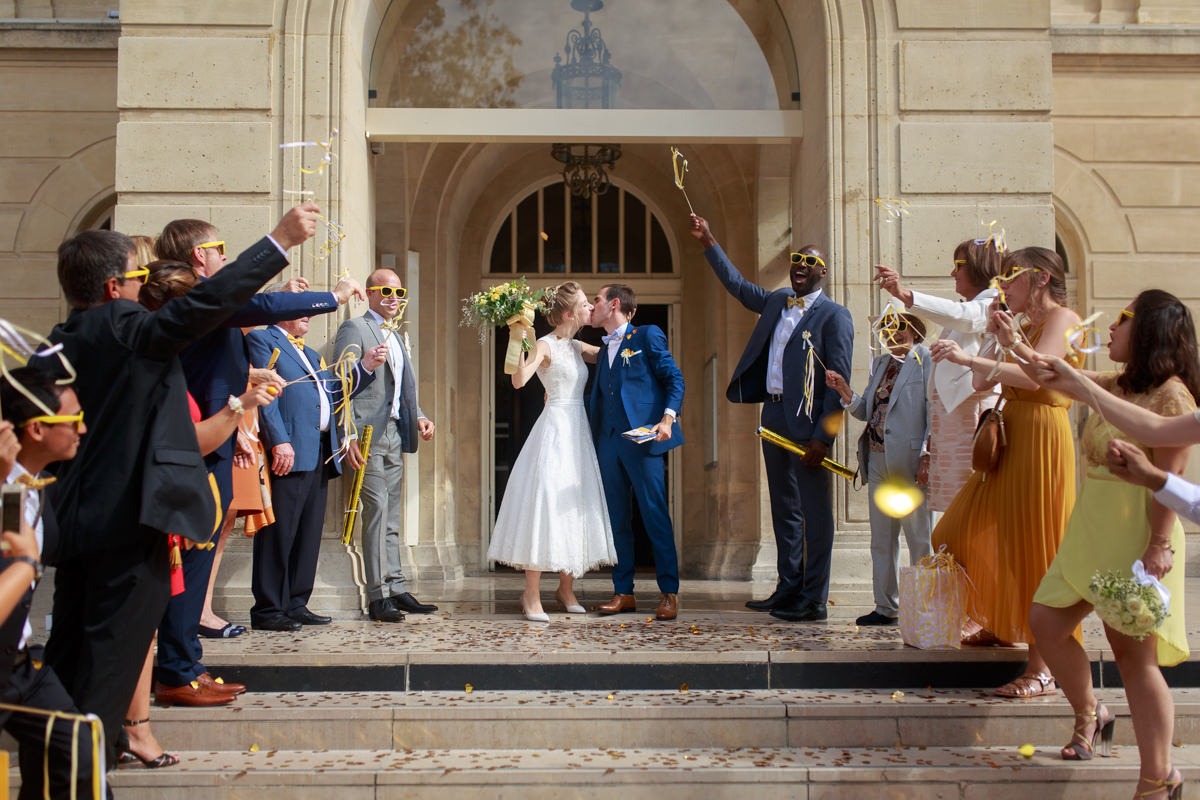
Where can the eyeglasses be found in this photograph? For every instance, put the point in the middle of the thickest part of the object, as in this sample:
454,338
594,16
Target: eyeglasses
140,275
398,292
1016,273
958,264
807,259
58,419
219,245
1124,315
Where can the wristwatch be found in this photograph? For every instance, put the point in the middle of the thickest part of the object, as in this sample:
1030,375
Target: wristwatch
236,405
33,562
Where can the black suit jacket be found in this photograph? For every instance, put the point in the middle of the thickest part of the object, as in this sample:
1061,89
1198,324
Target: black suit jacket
139,463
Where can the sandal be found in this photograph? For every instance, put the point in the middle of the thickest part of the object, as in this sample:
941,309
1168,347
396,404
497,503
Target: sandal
228,632
1172,785
984,638
1027,686
164,759
1082,748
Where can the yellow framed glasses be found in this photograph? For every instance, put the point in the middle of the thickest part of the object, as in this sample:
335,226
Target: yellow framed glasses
1124,314
140,275
959,263
57,419
1015,273
398,292
807,259
220,246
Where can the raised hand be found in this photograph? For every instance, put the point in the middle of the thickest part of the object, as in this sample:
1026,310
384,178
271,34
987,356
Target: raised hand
297,225
835,381
347,288
889,280
699,229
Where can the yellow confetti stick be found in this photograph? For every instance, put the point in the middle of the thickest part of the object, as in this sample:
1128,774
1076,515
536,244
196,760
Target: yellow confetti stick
801,450
679,166
356,488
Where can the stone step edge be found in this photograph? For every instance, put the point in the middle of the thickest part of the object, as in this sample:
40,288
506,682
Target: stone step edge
584,766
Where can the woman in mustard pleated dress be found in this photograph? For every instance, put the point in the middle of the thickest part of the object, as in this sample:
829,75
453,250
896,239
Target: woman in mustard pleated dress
1004,527
1116,523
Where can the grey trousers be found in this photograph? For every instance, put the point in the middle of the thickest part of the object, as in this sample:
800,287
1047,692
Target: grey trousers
382,506
885,540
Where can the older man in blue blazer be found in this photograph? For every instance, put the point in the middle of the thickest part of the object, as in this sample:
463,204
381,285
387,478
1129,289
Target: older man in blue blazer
637,384
300,432
774,370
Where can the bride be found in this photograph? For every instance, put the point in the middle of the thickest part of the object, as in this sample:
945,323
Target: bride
553,517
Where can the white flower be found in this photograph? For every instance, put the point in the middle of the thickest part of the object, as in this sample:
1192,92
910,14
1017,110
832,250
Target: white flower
1135,605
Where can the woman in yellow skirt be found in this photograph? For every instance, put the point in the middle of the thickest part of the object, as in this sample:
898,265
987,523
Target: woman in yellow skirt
1004,527
1116,523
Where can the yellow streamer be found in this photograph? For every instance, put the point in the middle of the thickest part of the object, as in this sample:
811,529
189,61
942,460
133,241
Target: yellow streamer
893,207
18,344
801,450
679,166
99,786
356,489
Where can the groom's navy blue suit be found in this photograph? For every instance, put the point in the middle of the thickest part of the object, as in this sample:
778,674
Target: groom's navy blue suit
635,390
801,503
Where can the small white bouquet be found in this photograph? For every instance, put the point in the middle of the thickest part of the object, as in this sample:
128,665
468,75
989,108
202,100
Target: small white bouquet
1136,606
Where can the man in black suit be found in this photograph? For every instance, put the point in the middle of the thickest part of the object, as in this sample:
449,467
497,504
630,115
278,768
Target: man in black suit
139,474
25,680
799,335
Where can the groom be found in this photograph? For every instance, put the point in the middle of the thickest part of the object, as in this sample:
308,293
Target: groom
637,383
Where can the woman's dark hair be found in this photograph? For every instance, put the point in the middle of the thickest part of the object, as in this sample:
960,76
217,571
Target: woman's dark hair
1162,343
166,281
1047,261
982,261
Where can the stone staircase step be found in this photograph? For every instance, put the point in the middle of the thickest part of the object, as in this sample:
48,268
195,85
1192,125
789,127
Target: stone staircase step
762,718
973,773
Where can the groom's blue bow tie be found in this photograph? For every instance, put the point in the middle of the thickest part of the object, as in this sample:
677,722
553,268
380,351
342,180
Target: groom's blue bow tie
609,338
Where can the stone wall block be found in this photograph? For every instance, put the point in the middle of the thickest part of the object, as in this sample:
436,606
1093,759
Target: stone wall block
196,156
202,15
931,232
1120,278
975,76
1137,94
240,225
37,134
10,221
1012,14
20,178
195,72
1153,185
975,157
31,87
1172,231
1101,217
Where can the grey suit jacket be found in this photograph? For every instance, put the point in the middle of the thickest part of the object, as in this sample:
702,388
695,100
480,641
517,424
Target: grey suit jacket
373,404
906,426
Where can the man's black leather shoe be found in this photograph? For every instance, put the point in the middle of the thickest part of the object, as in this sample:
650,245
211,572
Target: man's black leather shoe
776,599
406,602
274,622
874,618
805,612
306,617
383,611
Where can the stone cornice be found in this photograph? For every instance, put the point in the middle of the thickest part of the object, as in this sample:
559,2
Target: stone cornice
59,34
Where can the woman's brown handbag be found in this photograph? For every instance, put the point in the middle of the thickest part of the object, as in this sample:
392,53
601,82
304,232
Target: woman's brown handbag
988,444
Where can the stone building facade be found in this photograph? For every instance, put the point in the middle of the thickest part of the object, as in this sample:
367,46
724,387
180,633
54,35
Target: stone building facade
1068,121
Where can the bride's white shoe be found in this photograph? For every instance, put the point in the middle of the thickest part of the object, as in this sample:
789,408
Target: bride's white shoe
572,608
535,616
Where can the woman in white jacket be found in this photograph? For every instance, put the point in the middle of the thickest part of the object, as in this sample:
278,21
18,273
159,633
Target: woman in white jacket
954,404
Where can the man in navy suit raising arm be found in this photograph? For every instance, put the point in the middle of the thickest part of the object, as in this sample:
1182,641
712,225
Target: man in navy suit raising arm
773,370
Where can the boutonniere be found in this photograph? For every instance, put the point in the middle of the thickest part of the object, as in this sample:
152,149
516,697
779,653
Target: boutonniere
627,354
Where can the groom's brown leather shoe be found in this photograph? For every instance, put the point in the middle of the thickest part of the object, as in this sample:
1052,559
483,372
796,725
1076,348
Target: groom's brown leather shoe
668,607
619,604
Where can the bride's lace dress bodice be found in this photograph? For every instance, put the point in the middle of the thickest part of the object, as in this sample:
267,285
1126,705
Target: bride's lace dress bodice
566,375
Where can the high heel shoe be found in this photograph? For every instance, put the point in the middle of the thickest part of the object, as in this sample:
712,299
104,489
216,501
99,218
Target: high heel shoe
1172,785
1080,748
535,616
572,608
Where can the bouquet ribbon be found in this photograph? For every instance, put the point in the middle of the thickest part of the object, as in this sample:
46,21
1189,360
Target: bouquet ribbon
517,324
1144,578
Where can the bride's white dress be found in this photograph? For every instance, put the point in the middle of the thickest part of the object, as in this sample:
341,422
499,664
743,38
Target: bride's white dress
553,517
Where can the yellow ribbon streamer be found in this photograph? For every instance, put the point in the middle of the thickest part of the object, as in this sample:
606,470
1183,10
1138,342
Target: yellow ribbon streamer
1084,337
18,344
893,207
99,787
679,165
517,324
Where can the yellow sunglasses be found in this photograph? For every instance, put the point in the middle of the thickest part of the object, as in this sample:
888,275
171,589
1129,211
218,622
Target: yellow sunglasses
219,245
1124,315
807,259
1016,273
140,275
958,264
57,419
389,291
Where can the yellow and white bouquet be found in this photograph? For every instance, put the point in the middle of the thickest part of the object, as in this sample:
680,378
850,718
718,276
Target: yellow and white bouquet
1136,606
512,304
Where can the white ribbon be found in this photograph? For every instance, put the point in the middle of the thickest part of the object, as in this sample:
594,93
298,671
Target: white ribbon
1143,578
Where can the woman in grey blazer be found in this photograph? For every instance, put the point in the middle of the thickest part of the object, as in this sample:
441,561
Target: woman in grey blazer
893,448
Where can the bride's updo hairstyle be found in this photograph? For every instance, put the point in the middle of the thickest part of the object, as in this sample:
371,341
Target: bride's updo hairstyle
565,296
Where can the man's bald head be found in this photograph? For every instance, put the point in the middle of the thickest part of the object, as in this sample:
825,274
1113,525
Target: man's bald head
386,307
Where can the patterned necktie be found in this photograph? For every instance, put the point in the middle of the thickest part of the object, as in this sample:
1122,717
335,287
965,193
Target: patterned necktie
296,340
609,338
795,301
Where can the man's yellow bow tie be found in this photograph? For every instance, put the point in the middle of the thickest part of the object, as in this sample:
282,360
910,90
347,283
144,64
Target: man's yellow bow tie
795,301
30,482
296,340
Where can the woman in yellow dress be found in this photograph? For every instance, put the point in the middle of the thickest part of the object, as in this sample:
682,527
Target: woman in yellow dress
1116,523
1004,527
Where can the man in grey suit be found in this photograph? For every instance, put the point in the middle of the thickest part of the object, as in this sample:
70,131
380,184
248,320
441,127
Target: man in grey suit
389,405
893,449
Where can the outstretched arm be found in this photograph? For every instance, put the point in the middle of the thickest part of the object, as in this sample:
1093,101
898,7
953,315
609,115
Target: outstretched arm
748,294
